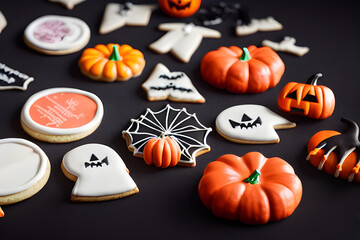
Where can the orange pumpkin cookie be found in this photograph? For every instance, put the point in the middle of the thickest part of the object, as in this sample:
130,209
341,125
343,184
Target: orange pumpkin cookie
337,153
310,100
180,9
253,189
247,70
112,62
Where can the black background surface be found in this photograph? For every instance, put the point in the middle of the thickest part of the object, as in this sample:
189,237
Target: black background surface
168,206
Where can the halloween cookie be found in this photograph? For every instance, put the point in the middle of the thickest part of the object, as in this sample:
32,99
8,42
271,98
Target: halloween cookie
247,70
179,9
99,174
24,170
111,62
184,128
255,25
69,4
57,35
182,39
251,124
309,99
175,86
252,189
3,22
337,153
60,115
216,14
13,79
117,15
286,45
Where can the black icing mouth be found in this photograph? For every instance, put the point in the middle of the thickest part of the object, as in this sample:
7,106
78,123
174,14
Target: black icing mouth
173,5
297,110
94,162
247,125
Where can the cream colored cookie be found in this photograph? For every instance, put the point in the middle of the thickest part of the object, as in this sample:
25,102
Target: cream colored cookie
3,21
69,4
287,45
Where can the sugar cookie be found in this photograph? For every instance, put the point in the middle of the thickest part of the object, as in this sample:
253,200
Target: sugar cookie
255,25
13,79
69,4
178,124
117,15
286,45
57,35
60,115
182,39
99,174
175,86
3,21
250,124
24,170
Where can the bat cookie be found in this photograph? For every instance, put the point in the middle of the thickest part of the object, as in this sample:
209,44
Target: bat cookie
287,45
99,174
13,79
251,124
175,86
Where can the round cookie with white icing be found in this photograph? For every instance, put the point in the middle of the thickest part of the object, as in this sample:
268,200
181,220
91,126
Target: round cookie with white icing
251,124
60,115
57,35
24,170
99,174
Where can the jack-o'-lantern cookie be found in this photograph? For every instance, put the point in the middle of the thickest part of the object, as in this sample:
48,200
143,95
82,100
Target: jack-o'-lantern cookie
57,35
24,170
251,124
99,174
60,115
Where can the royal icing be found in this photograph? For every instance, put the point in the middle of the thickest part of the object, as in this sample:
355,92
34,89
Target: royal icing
100,171
22,164
250,123
286,45
255,25
178,124
62,111
69,4
176,86
13,79
3,21
57,33
182,39
216,14
117,15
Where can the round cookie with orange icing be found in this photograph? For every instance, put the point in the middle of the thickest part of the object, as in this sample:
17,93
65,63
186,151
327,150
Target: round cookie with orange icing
111,62
60,115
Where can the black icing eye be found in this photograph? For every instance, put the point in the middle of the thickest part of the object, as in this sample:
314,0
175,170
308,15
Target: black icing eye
310,98
292,95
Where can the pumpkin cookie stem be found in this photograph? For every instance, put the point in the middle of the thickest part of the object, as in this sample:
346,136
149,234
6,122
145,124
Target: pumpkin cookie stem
245,55
254,177
313,79
115,55
1,213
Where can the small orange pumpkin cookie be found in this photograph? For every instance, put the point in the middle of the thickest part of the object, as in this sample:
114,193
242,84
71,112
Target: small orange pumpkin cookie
112,62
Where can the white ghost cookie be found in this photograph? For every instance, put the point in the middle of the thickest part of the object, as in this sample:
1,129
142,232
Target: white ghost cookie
117,15
3,21
69,4
182,39
99,174
287,45
264,25
251,124
175,86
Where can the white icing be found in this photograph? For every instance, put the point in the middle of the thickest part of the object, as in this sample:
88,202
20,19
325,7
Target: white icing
3,21
108,179
287,45
68,3
264,24
180,81
149,126
259,133
6,77
115,17
22,164
182,39
77,36
28,121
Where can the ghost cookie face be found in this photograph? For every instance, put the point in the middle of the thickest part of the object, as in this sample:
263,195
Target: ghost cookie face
24,170
57,35
99,174
60,115
251,124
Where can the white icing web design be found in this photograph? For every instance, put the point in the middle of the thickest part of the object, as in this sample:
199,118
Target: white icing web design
178,124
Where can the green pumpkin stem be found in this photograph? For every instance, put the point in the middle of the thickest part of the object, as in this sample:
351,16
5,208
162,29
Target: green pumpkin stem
115,55
245,55
313,79
254,177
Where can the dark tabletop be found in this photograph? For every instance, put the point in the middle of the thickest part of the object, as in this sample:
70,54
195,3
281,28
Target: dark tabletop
168,205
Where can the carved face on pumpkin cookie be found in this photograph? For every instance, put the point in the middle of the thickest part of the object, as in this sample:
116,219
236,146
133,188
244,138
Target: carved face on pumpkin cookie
179,8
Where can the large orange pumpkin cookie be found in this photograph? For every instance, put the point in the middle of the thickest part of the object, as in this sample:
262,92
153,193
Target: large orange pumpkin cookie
253,189
112,62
